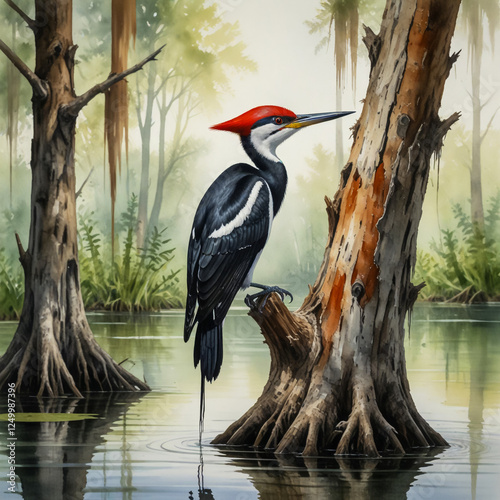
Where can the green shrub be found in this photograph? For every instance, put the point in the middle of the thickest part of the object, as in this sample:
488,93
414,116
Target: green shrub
465,266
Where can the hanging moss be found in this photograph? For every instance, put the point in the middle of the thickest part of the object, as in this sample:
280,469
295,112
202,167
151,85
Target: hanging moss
123,28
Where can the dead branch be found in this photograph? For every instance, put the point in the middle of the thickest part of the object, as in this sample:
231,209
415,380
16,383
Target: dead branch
79,192
22,253
74,107
372,42
30,22
39,86
487,129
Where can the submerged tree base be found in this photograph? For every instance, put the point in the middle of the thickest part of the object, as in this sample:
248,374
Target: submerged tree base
39,363
304,411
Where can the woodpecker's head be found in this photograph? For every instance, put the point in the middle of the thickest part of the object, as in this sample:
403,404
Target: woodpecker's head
266,127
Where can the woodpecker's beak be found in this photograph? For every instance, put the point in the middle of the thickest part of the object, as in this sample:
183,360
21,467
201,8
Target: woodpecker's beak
311,119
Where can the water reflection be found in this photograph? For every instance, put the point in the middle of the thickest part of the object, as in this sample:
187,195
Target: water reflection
53,458
147,448
294,477
478,360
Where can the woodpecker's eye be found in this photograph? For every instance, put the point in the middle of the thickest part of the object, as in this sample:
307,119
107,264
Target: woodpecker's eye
278,120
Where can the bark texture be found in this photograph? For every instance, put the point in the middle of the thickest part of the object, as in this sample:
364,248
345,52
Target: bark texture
53,350
338,373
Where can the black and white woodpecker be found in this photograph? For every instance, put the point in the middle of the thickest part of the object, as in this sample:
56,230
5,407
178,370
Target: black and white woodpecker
232,224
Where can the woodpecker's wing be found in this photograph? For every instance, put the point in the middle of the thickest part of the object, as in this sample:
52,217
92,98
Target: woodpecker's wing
230,230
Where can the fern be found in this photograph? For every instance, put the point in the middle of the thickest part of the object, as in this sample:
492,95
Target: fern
11,289
138,279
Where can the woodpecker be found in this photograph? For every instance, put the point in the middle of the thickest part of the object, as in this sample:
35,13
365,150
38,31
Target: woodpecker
231,227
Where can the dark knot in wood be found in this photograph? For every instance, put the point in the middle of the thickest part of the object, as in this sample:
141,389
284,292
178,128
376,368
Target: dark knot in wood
55,48
358,290
403,124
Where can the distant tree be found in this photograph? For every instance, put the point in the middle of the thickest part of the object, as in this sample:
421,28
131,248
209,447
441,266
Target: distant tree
53,350
308,227
475,13
180,147
201,50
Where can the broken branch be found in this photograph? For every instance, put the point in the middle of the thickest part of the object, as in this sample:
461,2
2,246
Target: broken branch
39,86
22,252
24,257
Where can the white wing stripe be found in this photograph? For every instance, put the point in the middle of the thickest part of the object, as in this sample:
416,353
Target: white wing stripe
241,216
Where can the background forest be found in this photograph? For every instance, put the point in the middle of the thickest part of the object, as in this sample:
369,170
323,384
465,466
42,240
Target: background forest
220,59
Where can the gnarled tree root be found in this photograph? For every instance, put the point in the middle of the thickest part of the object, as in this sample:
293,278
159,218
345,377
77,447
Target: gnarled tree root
37,363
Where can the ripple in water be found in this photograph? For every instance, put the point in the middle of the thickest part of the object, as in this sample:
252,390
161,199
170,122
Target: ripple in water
463,447
187,446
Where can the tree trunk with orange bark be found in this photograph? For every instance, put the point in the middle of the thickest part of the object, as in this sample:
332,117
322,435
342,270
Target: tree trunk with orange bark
53,350
338,373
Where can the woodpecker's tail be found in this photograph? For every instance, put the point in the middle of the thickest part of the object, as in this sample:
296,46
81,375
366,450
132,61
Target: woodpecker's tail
207,352
208,349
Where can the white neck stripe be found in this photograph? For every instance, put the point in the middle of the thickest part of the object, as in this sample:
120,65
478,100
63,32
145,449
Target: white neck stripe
262,147
241,216
266,138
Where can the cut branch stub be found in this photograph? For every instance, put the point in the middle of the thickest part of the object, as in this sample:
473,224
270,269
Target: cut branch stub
403,124
358,290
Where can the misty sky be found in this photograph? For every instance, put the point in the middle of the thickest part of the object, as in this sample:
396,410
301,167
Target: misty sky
292,74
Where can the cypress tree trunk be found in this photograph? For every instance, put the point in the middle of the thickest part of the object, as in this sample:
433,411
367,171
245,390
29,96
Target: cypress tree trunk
338,373
53,350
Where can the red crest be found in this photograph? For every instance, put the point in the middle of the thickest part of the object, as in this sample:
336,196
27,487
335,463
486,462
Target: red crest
242,124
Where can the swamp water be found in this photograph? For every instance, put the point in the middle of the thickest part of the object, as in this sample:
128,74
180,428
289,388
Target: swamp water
126,446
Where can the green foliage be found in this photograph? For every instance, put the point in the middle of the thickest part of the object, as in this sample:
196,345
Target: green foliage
11,288
465,265
136,279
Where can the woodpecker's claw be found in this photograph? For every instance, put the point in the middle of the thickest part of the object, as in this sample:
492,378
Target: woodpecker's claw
266,291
